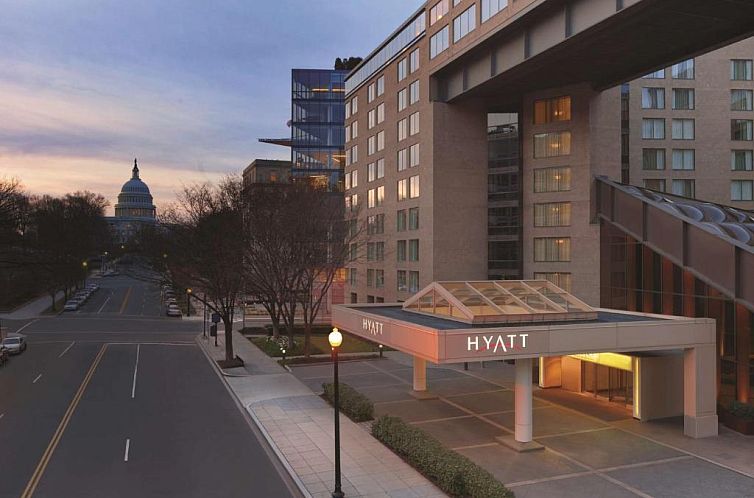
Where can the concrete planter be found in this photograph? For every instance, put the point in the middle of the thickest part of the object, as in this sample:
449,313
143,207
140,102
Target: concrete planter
738,424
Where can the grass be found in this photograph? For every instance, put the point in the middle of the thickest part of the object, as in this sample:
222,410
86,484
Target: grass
319,345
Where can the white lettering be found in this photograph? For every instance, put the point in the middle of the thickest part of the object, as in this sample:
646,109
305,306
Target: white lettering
372,326
501,343
487,342
494,342
523,340
511,337
474,341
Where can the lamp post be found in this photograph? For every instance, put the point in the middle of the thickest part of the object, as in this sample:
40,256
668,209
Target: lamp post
336,339
85,266
188,301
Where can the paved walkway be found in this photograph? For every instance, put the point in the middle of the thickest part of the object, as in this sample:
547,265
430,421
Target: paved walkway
593,448
299,426
32,309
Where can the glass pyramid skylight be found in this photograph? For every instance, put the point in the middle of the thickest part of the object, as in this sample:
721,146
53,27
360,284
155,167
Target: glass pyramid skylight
499,301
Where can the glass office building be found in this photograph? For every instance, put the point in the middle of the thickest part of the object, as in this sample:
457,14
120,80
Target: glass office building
317,126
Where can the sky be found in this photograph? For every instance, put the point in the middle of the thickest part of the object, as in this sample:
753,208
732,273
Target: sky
187,86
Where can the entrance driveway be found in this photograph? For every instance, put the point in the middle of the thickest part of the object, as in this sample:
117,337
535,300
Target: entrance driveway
592,448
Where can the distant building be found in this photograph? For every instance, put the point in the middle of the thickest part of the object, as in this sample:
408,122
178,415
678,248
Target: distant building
266,171
135,208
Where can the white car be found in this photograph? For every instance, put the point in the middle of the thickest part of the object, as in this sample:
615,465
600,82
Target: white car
14,343
71,305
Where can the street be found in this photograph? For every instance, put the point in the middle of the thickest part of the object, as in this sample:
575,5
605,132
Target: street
116,400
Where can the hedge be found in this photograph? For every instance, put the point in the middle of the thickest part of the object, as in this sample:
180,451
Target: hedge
451,472
354,404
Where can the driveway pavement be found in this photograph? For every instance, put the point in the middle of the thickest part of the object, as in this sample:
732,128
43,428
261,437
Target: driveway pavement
593,448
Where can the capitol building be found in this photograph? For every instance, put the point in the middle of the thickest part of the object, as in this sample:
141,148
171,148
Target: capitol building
134,209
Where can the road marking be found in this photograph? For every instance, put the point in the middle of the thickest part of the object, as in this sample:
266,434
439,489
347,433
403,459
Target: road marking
1,416
22,328
45,460
136,369
66,349
128,447
105,303
38,377
125,300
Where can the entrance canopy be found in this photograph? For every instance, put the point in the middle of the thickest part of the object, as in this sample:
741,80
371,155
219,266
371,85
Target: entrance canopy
455,322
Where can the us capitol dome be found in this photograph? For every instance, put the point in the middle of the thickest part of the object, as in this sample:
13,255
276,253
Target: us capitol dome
135,207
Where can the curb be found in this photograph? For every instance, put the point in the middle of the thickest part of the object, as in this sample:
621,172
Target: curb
252,418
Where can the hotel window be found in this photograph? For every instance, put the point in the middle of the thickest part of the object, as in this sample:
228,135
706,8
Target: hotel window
400,221
413,250
402,281
402,102
683,159
657,75
376,224
370,281
354,105
352,280
354,178
413,187
554,109
380,195
401,250
653,98
552,214
375,251
683,70
403,189
380,113
653,129
552,179
371,91
414,92
414,124
402,129
348,109
371,198
552,144
740,129
740,69
414,61
402,69
655,184
492,7
381,168
742,190
552,249
740,100
413,281
683,99
685,188
439,42
348,181
371,120
355,130
402,159
371,145
438,11
464,23
562,280
379,280
413,154
653,159
683,129
413,218
348,134
381,140
741,160
381,85
352,203
371,172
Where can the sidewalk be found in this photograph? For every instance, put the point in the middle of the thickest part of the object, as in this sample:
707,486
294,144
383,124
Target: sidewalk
299,426
32,309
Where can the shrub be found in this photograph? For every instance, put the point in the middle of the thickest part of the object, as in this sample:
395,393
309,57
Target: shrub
742,410
354,404
453,473
273,347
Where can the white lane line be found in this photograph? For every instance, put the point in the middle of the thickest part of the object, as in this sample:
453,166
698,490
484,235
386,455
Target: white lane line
136,369
128,447
105,303
38,377
1,416
22,328
66,349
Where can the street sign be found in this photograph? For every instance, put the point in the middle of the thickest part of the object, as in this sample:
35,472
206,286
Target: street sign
215,318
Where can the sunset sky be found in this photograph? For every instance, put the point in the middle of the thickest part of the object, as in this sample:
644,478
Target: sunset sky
186,86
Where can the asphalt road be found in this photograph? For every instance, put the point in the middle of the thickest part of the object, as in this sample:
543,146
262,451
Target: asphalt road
116,400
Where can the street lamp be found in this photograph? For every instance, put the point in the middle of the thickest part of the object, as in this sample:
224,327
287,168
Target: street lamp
336,339
188,301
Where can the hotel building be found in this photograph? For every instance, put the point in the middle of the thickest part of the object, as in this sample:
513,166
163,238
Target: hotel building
480,134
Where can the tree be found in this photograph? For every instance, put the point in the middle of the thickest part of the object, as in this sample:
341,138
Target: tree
201,244
347,63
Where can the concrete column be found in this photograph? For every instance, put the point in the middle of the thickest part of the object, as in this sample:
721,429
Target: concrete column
420,374
523,433
699,392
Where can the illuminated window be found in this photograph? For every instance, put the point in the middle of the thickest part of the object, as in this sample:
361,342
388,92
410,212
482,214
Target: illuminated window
552,249
413,187
562,280
552,179
438,11
554,109
552,214
552,144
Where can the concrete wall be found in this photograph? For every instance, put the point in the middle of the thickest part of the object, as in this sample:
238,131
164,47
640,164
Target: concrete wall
660,390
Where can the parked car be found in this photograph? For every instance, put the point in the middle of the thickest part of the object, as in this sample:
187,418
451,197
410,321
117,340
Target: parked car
15,343
71,305
173,310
